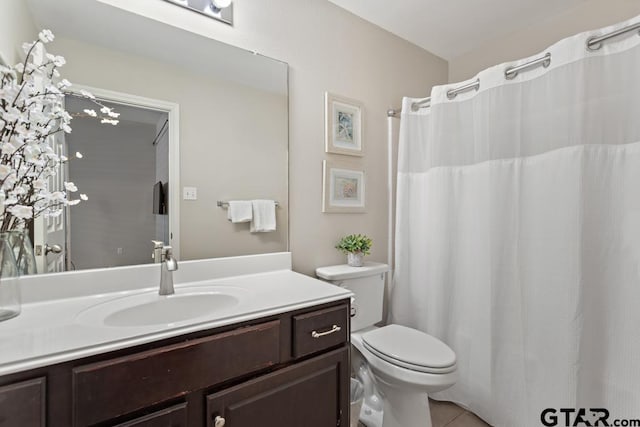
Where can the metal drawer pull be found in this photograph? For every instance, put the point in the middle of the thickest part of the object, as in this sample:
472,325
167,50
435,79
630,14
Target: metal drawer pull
334,328
219,422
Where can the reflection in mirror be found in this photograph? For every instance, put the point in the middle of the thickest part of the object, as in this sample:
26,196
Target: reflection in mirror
131,211
230,128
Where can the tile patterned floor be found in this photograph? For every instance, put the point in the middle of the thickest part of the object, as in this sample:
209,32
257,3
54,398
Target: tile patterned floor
447,414
451,415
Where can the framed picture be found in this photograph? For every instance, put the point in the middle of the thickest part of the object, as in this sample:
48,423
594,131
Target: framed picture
343,188
343,125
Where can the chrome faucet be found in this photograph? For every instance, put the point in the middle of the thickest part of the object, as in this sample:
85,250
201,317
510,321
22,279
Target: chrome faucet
169,265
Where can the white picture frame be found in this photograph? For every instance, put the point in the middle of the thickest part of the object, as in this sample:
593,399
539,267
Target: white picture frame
343,125
343,189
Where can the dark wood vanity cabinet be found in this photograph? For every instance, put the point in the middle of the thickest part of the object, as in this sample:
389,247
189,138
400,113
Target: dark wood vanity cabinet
23,403
289,370
308,394
173,416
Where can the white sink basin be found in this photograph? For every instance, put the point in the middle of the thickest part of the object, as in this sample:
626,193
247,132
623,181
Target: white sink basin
149,308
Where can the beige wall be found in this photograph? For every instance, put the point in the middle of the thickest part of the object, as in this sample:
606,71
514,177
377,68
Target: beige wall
17,28
230,148
327,49
589,15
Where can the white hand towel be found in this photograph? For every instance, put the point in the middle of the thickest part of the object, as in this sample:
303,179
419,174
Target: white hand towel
240,211
264,216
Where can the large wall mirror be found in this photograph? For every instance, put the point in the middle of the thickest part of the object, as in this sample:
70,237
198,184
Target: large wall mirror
197,116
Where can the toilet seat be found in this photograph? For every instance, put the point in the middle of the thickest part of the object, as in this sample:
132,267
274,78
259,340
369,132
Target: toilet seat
410,349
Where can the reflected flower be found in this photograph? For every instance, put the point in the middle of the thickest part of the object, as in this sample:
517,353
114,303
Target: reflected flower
46,36
32,106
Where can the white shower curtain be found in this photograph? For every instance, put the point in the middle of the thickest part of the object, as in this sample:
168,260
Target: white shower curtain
518,233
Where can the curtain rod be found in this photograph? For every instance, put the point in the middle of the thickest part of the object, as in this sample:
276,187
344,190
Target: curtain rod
157,138
593,43
511,72
451,93
423,103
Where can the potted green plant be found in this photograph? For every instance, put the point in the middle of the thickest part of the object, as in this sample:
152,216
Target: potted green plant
355,246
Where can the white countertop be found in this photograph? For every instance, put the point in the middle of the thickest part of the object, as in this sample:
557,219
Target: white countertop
52,331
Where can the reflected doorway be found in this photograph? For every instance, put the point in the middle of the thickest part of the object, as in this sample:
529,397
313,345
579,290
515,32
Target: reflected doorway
124,171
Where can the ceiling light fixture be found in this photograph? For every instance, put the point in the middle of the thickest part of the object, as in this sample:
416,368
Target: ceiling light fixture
221,10
220,4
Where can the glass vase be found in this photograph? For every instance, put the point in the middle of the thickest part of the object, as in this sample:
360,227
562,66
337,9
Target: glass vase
9,286
20,244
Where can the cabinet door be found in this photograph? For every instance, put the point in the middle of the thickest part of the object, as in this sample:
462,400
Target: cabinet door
23,404
313,393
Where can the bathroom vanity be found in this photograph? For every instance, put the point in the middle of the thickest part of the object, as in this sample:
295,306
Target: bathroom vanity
279,357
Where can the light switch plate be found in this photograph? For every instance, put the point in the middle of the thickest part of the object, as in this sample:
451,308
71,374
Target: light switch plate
189,193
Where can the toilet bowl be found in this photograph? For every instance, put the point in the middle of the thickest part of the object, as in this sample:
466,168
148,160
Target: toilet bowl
397,365
401,381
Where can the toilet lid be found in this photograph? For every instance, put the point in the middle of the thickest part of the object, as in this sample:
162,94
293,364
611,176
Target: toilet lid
410,348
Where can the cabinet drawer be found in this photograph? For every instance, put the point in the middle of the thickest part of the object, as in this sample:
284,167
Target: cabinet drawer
175,416
112,388
319,330
23,404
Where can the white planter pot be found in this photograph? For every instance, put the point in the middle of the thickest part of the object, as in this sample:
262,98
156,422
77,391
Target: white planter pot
355,259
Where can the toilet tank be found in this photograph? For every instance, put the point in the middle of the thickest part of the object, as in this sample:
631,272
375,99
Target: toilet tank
367,284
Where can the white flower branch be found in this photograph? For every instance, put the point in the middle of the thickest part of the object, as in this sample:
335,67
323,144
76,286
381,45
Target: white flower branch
31,113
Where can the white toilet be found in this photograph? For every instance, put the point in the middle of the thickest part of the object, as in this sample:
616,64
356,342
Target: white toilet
398,366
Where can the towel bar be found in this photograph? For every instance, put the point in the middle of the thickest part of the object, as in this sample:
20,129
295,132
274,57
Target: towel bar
222,204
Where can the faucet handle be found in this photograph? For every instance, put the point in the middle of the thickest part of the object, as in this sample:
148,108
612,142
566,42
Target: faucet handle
167,257
157,244
167,254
